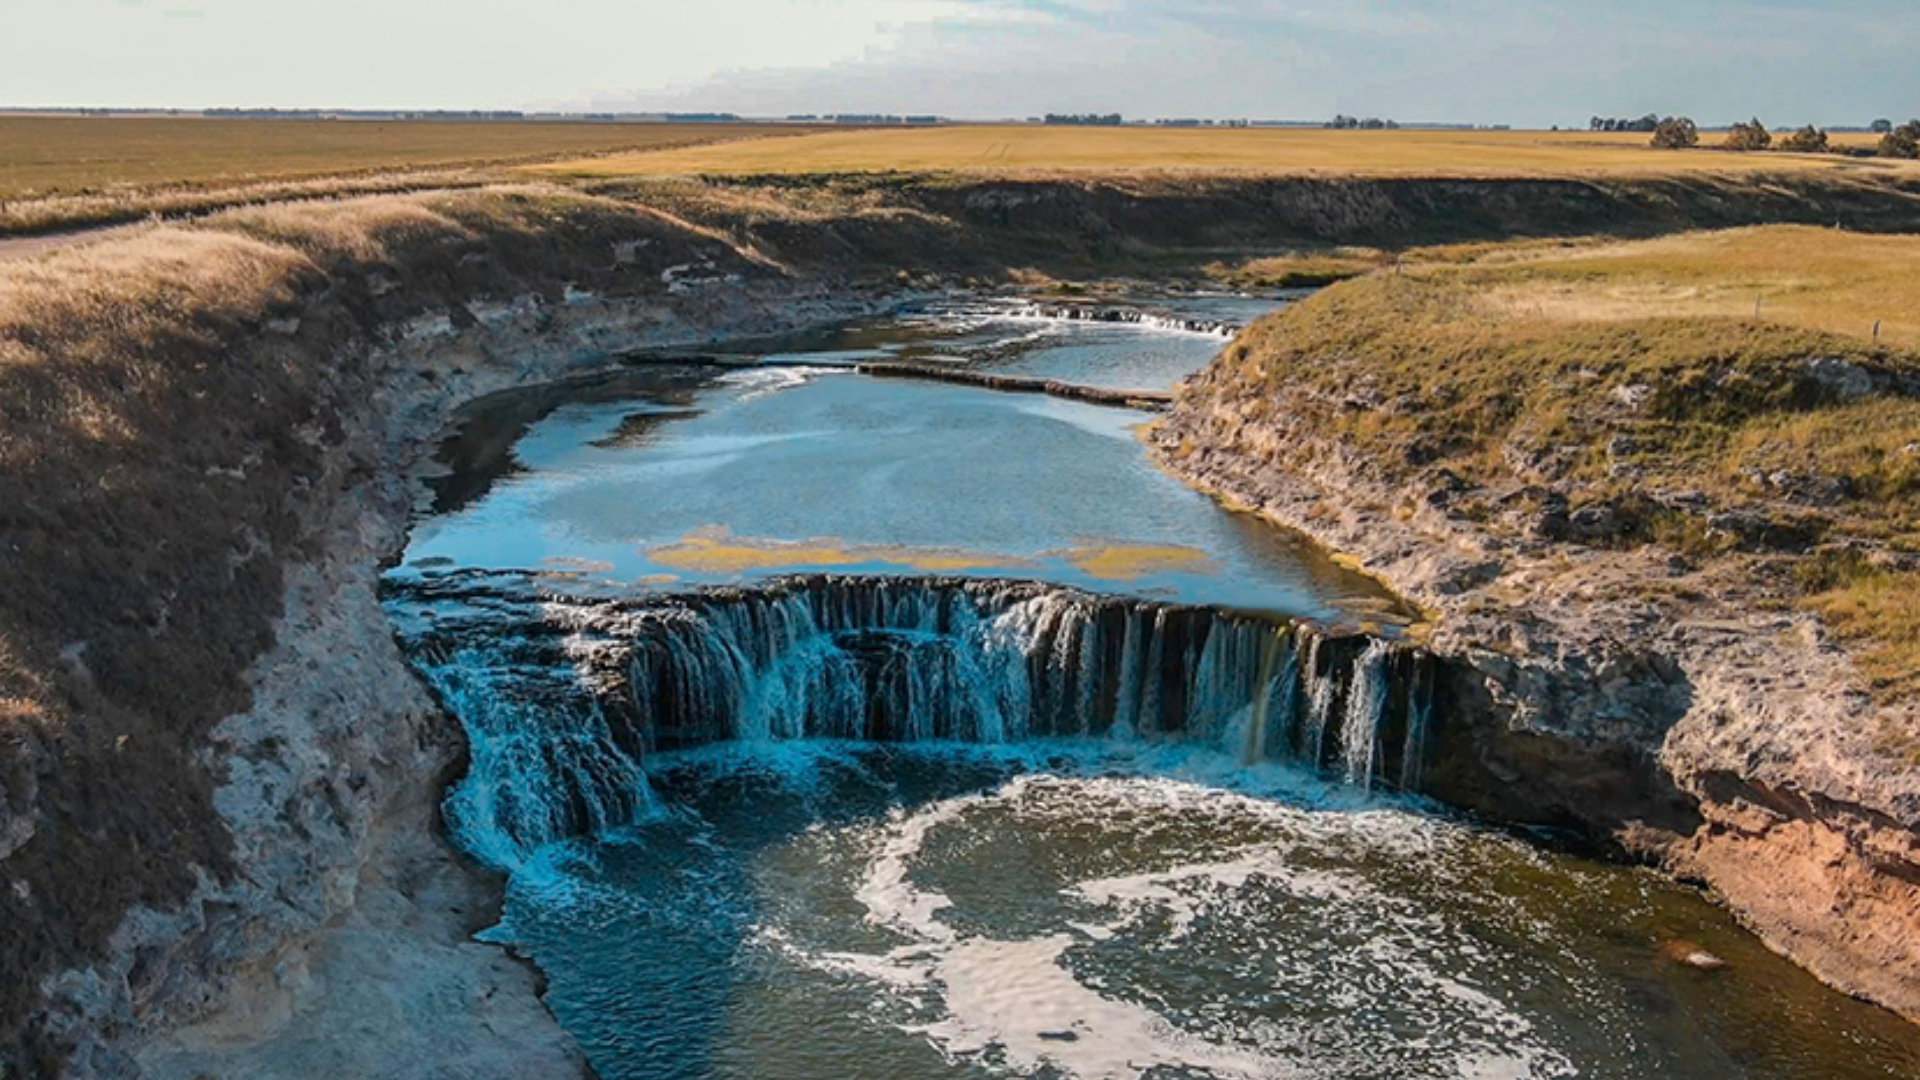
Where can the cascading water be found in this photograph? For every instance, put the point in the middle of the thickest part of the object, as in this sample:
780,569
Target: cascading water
781,827
1129,316
564,695
1366,705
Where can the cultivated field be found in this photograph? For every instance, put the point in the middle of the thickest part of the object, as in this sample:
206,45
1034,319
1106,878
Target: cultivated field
52,155
1261,151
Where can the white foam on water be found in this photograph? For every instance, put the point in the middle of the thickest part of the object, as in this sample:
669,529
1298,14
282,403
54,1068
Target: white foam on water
1134,319
1163,893
1018,1005
887,892
1015,1000
759,382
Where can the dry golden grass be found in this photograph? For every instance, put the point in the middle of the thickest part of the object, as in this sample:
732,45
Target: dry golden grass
1610,370
136,290
1302,269
1822,279
1255,151
1880,614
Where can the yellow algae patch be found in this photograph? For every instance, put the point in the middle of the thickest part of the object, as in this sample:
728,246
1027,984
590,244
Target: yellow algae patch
698,553
1125,562
718,551
939,561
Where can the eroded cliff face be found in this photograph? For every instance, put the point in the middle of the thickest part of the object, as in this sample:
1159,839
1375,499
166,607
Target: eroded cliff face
1729,738
346,903
268,872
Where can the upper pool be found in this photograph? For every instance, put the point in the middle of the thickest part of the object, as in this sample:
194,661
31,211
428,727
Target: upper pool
672,475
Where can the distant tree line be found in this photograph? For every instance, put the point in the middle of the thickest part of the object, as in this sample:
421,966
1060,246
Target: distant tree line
1344,122
1675,133
1902,141
1681,133
364,114
1647,123
1085,119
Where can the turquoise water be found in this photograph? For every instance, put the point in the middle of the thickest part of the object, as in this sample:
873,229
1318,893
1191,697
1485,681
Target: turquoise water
686,477
848,912
1166,897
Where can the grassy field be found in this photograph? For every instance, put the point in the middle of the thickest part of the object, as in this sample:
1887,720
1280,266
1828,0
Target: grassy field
52,155
1262,151
1813,278
1794,275
1615,371
65,173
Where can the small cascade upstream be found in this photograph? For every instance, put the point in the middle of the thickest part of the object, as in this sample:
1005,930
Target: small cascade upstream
1219,328
563,695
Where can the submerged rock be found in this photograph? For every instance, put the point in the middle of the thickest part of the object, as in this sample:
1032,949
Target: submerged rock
1687,954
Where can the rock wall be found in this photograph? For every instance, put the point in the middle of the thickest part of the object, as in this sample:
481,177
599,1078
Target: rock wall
347,905
1730,741
257,936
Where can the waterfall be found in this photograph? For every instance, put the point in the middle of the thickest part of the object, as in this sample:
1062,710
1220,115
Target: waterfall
1219,328
563,694
1366,707
1273,683
1320,691
1413,753
546,781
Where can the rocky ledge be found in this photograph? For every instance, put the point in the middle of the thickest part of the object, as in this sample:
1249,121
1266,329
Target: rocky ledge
1728,740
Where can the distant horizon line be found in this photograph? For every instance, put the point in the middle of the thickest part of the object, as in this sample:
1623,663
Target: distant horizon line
848,119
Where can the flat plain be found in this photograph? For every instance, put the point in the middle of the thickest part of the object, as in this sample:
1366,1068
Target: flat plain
1036,149
55,155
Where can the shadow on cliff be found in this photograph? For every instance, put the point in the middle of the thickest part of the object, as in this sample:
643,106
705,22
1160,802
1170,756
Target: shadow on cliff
1607,792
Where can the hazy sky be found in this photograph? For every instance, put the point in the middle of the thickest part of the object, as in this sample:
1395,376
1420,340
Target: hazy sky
1525,62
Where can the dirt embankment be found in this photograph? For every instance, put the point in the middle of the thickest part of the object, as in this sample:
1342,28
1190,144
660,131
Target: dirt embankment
1635,537
209,751
207,733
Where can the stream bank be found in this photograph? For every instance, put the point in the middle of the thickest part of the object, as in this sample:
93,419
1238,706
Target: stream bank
1679,707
